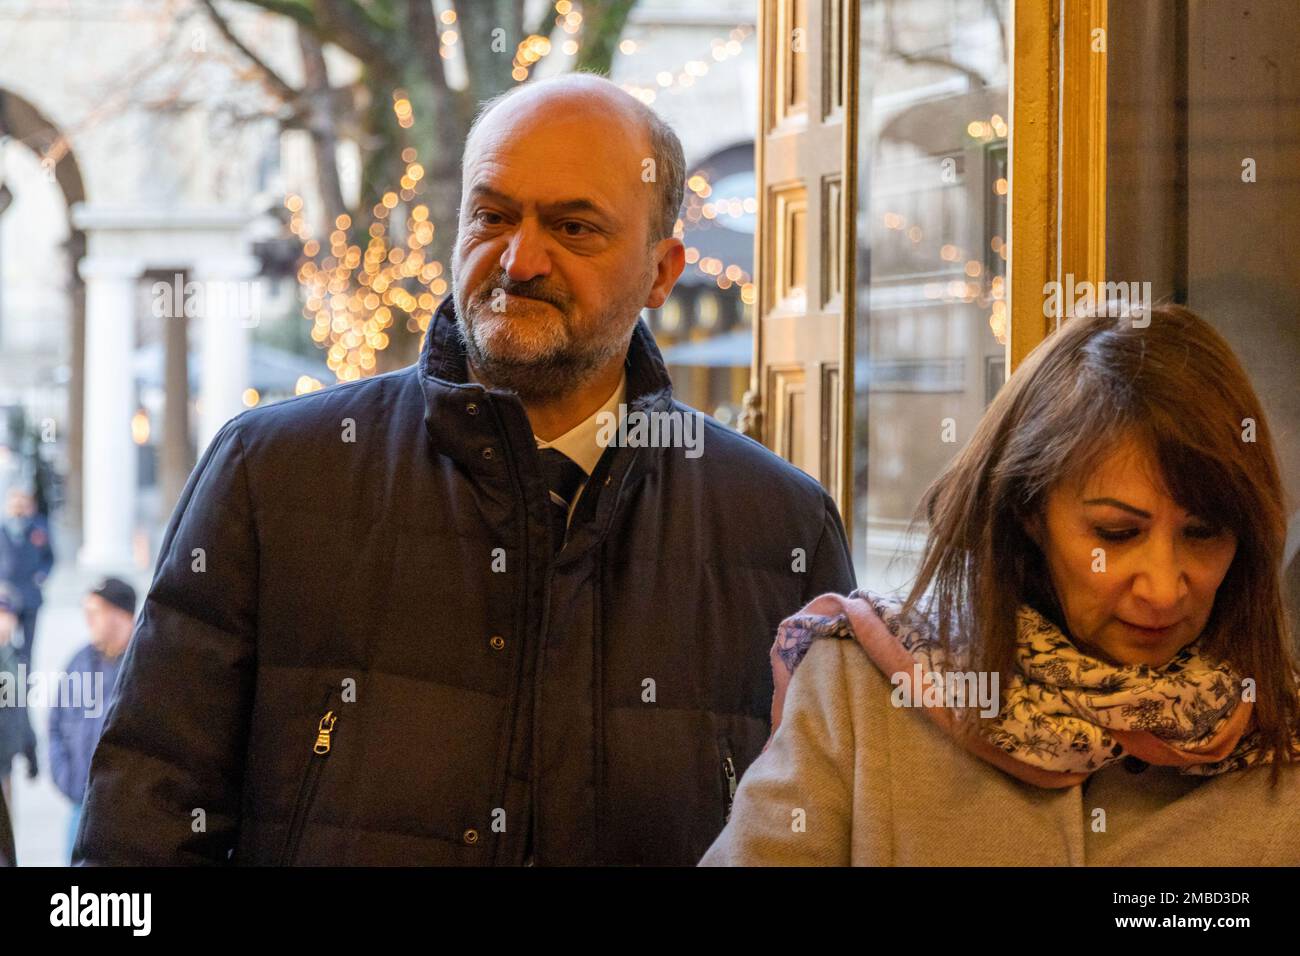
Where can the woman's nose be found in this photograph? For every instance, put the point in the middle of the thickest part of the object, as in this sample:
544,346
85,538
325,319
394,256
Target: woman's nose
1161,581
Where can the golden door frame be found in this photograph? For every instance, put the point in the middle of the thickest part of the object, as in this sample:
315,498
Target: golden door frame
1058,158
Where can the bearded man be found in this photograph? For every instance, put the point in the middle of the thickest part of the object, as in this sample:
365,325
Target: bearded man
436,616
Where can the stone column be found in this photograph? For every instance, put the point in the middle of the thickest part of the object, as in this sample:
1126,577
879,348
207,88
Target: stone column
109,475
230,307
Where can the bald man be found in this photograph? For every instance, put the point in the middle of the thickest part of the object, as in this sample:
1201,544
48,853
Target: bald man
511,605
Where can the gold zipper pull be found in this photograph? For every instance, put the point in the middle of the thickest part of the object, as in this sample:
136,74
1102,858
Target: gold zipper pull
323,733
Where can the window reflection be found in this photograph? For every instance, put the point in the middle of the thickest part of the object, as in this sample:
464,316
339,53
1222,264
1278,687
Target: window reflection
931,268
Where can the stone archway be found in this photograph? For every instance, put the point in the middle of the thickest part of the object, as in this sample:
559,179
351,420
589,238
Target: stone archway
23,124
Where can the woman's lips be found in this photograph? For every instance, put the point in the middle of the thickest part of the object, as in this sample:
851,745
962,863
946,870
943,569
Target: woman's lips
1151,633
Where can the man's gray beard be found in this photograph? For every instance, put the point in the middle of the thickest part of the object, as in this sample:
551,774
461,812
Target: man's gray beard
550,377
546,379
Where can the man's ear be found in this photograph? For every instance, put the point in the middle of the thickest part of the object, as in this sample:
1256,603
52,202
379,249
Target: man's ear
667,271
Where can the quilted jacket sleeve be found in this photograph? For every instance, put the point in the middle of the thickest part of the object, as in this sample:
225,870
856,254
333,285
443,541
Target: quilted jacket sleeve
166,778
831,568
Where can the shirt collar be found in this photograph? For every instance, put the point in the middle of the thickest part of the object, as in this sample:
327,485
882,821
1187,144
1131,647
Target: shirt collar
580,442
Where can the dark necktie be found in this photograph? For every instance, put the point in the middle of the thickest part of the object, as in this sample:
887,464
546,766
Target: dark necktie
563,476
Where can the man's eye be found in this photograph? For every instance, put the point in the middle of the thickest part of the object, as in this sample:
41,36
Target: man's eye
1115,534
573,222
481,216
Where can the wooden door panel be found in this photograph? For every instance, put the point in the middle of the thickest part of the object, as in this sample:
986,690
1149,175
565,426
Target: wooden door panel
804,164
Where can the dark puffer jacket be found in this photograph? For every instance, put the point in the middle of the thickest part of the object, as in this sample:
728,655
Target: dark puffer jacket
359,649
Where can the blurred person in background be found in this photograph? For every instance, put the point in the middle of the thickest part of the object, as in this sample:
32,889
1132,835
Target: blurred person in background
26,558
75,726
13,719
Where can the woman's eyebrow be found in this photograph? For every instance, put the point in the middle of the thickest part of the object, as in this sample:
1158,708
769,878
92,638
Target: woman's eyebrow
1115,503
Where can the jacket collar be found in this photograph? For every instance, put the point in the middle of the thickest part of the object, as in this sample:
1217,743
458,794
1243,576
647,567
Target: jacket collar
448,393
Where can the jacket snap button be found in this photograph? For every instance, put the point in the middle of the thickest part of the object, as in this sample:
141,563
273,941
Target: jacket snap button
472,408
498,642
471,837
488,454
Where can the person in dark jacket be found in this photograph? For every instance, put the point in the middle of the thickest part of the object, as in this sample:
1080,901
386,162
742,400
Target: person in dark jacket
26,557
390,624
13,719
75,726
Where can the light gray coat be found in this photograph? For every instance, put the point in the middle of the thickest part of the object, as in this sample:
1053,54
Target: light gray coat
850,779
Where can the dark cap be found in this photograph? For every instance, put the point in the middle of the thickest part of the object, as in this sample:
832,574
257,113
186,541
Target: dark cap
117,593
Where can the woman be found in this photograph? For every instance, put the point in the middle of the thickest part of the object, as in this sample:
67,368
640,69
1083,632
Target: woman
1103,563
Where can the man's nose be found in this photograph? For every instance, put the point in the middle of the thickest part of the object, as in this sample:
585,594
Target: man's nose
525,256
1161,581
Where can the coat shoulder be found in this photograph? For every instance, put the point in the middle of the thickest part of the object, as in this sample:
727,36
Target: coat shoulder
83,660
369,397
729,454
838,670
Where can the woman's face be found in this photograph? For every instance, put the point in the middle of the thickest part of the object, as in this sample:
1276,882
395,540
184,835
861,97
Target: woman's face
1135,574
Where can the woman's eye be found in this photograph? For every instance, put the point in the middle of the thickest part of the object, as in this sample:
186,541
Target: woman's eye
1202,532
1115,534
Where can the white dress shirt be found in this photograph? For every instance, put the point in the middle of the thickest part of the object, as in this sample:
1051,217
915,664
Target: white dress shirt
580,442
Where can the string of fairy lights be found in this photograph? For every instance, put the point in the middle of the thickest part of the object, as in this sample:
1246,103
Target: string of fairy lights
701,208
354,296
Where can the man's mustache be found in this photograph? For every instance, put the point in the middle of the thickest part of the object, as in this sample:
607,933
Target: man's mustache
524,291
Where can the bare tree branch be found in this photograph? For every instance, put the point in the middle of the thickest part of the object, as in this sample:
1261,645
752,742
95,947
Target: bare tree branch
423,29
489,70
350,27
278,86
300,13
545,20
602,25
320,122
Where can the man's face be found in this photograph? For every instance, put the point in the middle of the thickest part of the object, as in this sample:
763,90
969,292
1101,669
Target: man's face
552,265
1162,566
19,504
109,626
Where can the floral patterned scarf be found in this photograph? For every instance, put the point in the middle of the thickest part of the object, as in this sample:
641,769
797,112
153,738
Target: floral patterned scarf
1066,714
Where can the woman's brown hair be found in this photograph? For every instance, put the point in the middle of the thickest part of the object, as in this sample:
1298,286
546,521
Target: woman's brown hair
1176,385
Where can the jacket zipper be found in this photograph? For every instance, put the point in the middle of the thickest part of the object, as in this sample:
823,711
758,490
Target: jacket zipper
307,789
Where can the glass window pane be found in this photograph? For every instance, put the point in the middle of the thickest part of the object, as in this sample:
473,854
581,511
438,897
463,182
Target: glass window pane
931,267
